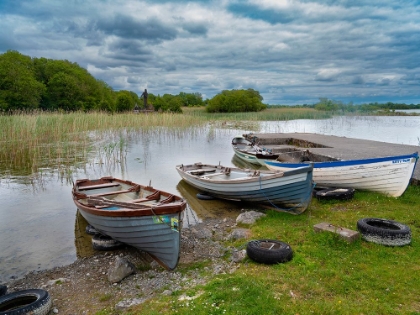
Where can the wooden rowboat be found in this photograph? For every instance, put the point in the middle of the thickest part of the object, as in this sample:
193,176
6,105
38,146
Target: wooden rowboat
137,215
250,152
389,175
289,191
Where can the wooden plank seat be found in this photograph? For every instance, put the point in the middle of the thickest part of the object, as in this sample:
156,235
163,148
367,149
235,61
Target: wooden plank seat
105,185
201,171
154,196
111,193
168,199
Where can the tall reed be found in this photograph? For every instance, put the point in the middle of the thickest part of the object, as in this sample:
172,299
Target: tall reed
40,141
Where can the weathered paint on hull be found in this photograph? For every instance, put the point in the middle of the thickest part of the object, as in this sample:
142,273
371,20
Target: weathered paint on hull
289,191
148,234
387,175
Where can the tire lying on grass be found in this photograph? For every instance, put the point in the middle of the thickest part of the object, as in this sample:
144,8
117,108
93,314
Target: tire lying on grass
384,232
32,301
335,194
105,242
269,251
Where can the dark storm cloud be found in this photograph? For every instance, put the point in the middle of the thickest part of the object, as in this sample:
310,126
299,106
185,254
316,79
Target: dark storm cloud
252,11
128,27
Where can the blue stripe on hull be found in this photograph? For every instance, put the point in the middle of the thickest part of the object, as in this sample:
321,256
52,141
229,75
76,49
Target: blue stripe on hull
396,159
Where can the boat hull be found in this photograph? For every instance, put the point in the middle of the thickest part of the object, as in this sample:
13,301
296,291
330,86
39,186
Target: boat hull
249,152
387,175
153,226
158,236
284,191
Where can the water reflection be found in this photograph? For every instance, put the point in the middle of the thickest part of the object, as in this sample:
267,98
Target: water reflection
82,240
205,209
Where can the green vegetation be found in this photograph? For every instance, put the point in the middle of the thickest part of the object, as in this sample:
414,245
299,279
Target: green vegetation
28,84
326,276
236,101
388,108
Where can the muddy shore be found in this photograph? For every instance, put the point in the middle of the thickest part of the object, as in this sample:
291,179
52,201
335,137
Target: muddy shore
83,286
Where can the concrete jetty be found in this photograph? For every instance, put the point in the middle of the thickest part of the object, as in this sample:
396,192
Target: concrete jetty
341,148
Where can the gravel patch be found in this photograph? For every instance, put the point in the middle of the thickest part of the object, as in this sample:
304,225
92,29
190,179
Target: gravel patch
83,286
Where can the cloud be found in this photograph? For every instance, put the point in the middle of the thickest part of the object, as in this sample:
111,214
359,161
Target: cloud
293,52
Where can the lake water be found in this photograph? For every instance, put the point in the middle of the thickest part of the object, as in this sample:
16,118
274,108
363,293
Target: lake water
39,225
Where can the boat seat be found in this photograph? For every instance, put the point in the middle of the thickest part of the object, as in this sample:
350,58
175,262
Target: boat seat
154,196
105,185
111,193
168,199
201,171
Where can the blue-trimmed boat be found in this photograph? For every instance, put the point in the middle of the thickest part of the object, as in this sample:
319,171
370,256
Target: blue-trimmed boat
389,175
288,191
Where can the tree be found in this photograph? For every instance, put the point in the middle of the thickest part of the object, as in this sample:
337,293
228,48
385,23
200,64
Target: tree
19,88
236,101
125,101
167,103
191,99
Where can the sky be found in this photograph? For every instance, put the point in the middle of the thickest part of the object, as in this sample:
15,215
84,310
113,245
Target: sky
291,51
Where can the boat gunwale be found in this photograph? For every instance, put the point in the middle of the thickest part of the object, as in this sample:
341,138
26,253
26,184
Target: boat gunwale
178,205
342,163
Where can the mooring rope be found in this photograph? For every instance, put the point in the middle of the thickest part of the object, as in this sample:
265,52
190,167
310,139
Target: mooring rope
283,209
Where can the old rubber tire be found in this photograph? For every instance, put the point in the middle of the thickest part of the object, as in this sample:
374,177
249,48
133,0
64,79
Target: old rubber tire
91,230
32,301
105,242
204,196
3,290
335,194
269,251
384,232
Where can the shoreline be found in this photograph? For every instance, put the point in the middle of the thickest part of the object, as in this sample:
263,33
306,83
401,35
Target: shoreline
83,287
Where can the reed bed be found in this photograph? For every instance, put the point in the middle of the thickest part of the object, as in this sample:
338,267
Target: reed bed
270,114
33,143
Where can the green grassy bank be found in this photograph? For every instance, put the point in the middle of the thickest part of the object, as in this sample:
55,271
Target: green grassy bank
327,275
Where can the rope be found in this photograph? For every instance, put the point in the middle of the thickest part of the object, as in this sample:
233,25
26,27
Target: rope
282,209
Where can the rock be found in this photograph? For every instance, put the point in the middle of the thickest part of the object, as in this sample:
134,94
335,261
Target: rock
55,281
249,217
128,303
202,233
238,255
239,234
121,269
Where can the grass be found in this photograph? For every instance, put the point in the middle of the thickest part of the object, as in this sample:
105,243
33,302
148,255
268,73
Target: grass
327,275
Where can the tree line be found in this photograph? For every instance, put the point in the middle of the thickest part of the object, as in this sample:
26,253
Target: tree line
45,84
326,104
